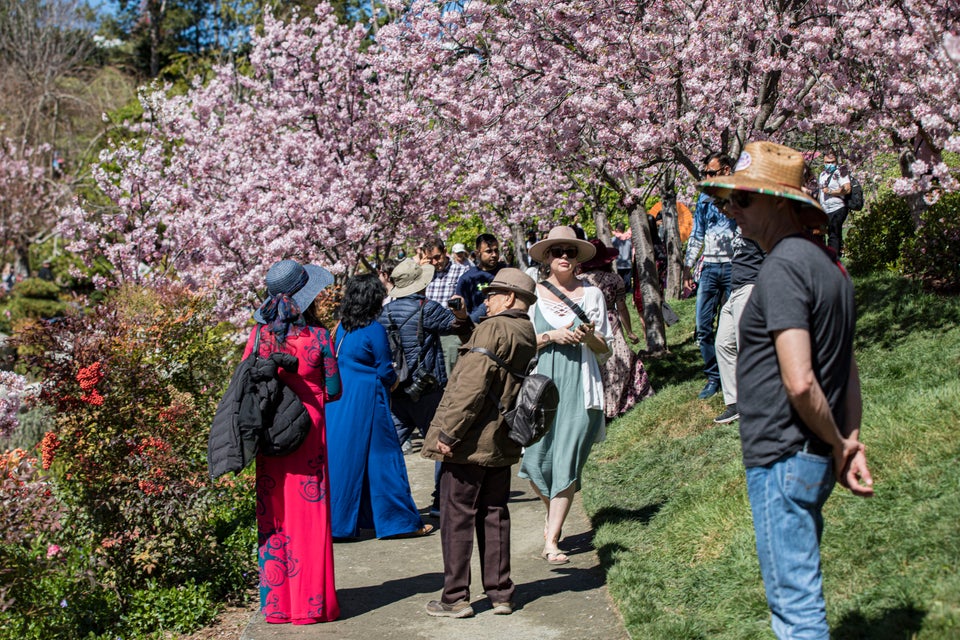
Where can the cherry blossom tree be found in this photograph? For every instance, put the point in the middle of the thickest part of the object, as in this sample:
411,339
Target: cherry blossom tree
30,200
305,156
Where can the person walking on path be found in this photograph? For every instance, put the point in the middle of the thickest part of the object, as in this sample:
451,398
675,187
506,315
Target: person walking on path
468,436
368,477
711,240
800,404
573,332
747,258
293,493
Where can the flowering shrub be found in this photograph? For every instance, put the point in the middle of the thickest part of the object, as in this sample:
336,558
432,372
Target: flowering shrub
12,390
932,255
134,383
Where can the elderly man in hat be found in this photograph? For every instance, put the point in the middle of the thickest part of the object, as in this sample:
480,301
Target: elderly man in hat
469,436
799,389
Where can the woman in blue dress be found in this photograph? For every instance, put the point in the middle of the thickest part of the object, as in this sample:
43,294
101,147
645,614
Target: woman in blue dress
369,487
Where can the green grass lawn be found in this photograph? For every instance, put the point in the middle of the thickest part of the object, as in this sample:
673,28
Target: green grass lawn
668,498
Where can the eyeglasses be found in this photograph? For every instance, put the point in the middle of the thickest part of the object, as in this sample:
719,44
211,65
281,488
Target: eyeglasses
565,252
493,292
712,172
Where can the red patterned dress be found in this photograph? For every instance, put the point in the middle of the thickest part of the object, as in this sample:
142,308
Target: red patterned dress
293,496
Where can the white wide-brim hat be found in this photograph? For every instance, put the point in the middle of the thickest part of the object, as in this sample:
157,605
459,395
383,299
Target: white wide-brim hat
566,236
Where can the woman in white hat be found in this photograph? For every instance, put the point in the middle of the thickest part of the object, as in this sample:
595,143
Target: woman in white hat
293,495
570,318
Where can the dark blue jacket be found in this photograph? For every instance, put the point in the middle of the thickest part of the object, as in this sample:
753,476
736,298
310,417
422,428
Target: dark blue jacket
437,321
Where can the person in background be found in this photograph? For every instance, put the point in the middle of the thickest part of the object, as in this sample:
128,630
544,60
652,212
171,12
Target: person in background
799,388
834,187
712,241
625,381
293,492
468,436
747,258
45,272
461,256
472,283
570,350
369,487
623,243
443,289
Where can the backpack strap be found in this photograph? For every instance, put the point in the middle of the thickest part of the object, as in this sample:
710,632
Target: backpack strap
570,303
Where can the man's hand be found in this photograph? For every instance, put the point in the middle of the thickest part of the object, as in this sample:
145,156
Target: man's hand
444,450
687,278
856,476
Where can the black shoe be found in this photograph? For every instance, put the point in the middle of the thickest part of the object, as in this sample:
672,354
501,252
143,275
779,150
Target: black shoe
729,414
710,390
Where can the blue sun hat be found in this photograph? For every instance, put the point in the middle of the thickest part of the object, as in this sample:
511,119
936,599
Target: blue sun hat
300,283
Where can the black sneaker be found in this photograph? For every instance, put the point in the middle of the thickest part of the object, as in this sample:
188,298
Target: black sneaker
729,415
459,609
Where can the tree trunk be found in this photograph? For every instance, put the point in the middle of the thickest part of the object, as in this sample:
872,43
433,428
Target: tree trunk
603,225
649,280
671,226
519,245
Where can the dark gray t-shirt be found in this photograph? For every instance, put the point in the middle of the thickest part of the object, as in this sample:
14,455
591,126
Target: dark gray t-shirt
798,287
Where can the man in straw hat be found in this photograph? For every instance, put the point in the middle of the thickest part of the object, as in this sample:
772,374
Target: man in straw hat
468,435
799,397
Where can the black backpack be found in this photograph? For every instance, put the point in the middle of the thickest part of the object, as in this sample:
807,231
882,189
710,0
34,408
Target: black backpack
396,349
855,197
535,409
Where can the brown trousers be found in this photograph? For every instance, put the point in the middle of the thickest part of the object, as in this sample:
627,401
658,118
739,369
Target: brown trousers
474,498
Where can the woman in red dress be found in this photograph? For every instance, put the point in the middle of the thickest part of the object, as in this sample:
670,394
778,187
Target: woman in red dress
293,496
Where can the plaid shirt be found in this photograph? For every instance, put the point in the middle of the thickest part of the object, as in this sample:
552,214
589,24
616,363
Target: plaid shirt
444,283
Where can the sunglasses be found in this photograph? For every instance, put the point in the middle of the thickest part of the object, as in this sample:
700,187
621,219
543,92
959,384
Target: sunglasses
710,173
740,198
565,252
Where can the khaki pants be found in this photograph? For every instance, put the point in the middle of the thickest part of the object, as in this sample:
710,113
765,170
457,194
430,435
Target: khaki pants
728,341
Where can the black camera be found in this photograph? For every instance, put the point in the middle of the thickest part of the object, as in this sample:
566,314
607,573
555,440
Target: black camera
455,303
422,383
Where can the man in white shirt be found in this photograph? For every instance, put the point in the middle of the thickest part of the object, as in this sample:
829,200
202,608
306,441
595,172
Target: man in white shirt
834,188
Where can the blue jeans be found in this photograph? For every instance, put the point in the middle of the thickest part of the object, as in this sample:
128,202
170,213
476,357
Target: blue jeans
786,499
712,290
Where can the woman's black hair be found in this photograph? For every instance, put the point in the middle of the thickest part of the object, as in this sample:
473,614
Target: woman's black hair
362,301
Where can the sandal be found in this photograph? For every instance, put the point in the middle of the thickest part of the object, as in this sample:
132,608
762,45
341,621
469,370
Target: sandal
425,530
555,557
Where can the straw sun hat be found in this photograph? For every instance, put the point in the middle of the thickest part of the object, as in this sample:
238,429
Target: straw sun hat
562,235
771,169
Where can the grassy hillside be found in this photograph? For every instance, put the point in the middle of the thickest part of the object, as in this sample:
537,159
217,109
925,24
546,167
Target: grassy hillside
668,497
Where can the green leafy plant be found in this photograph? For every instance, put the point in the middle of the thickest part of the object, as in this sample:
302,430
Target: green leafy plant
932,256
876,236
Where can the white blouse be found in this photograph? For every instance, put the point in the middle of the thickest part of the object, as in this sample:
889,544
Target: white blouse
559,316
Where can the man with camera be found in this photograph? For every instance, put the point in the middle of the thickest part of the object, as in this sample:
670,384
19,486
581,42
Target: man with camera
442,290
420,322
469,437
